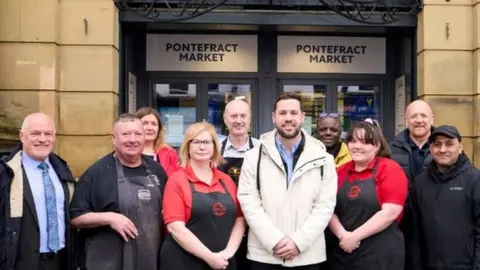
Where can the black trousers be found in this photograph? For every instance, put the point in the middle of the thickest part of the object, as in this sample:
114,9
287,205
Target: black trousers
50,263
264,266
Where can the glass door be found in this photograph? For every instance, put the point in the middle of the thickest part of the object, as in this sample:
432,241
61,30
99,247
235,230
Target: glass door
177,103
357,101
315,100
220,92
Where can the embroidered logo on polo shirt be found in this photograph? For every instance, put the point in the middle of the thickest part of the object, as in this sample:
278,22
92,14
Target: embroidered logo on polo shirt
219,209
456,188
354,192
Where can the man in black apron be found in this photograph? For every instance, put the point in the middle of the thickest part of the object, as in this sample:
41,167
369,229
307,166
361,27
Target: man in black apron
233,148
118,207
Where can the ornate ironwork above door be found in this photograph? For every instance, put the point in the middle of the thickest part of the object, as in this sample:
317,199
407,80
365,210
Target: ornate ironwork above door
155,10
380,12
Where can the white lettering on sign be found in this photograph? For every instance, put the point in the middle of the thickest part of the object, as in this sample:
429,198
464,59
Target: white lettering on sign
331,55
202,53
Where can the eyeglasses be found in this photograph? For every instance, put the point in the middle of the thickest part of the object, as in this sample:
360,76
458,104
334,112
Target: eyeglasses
200,142
332,115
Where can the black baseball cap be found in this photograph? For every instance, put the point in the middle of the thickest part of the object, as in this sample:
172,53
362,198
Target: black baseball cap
447,131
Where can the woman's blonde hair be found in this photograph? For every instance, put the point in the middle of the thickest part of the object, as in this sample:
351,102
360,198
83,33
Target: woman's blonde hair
192,132
159,140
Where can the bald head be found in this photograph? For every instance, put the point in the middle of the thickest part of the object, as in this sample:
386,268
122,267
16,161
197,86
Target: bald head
418,105
38,136
37,118
237,117
237,105
419,118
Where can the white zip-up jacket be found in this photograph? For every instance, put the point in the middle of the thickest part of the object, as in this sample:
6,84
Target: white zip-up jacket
301,210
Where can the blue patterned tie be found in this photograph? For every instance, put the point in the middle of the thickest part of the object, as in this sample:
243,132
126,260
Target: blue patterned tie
51,205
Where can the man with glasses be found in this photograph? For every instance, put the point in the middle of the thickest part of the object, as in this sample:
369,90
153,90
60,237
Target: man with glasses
328,131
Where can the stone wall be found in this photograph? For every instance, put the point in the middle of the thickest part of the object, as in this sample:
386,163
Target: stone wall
60,57
448,72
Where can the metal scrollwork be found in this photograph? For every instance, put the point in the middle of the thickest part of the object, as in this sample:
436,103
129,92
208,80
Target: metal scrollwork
169,11
377,12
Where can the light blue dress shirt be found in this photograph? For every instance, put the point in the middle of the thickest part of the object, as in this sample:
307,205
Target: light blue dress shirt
35,179
287,157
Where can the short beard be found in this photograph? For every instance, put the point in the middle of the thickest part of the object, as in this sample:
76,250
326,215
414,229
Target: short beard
287,136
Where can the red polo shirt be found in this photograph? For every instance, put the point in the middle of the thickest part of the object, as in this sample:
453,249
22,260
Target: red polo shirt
391,181
177,199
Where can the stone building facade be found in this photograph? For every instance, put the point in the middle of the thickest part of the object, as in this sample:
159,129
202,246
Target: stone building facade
61,57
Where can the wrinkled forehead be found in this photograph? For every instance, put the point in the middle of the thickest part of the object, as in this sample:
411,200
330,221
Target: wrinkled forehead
237,108
40,125
329,122
419,108
128,126
442,139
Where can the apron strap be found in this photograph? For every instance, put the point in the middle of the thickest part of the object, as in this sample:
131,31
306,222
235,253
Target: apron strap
119,168
192,186
224,143
224,186
250,143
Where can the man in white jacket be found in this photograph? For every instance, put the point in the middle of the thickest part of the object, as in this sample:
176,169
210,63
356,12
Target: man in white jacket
287,191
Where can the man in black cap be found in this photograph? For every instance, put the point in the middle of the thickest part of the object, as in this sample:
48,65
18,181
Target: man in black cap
446,207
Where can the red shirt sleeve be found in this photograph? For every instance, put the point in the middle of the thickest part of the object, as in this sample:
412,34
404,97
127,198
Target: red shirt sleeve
176,203
393,184
232,189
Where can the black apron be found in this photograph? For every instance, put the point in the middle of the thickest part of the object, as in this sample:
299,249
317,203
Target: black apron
232,167
357,202
211,221
140,200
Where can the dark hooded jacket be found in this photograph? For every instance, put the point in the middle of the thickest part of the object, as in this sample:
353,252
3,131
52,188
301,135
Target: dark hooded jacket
446,215
12,218
402,154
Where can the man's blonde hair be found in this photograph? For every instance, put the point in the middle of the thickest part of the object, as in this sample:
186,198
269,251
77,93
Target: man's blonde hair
192,132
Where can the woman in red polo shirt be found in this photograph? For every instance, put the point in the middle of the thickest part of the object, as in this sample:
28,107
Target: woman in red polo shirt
155,145
200,208
371,193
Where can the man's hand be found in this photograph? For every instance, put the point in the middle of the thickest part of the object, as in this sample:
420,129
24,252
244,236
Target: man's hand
122,225
349,242
286,249
226,254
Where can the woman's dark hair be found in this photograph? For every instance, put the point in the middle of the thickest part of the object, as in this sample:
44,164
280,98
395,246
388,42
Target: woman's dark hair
373,135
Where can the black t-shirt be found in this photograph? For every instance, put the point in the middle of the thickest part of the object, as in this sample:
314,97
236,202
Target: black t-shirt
97,188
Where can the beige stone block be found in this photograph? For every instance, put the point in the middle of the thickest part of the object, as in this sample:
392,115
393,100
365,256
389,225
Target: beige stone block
29,20
476,152
476,115
82,151
16,105
28,66
448,2
453,110
468,145
445,72
88,68
439,30
87,113
420,32
89,22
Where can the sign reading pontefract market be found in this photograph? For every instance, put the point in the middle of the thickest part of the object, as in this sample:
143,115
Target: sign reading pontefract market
306,54
229,53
